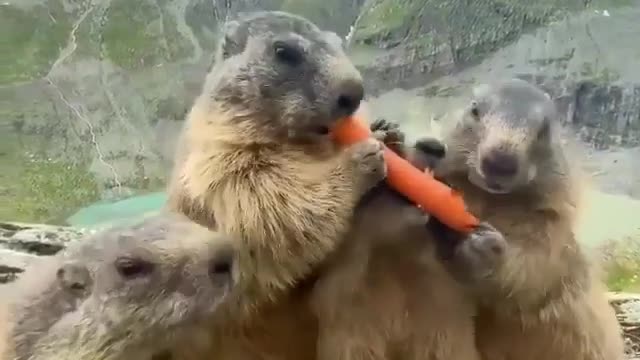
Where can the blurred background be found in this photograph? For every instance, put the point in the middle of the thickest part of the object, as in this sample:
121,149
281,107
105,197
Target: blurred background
93,93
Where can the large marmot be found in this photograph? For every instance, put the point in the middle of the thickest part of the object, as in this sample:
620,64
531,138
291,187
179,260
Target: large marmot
538,295
130,292
255,159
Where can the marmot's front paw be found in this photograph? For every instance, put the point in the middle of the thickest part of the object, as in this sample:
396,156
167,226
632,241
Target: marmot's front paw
367,160
428,152
390,134
481,253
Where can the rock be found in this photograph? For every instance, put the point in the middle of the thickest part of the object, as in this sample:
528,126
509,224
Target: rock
582,60
627,308
421,40
21,244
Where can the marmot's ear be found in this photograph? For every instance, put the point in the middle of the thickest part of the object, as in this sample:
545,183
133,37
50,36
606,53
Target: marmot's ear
232,42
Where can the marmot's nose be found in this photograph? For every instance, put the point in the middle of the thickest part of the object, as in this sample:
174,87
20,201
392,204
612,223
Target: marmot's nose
350,94
500,163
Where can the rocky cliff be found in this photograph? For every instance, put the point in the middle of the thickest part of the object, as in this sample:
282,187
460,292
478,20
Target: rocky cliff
92,92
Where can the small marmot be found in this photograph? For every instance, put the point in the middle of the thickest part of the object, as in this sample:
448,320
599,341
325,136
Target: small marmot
130,292
384,293
256,160
538,295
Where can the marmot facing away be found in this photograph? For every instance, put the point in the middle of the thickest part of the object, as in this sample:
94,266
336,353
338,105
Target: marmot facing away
121,294
255,159
538,296
384,294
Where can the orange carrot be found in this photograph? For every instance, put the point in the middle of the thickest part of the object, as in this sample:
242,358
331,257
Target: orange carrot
431,195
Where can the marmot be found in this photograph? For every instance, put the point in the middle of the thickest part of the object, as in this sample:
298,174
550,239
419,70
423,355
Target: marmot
125,293
256,160
384,294
537,293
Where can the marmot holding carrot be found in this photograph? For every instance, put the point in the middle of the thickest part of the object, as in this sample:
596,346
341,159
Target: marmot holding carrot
384,294
538,295
121,294
256,161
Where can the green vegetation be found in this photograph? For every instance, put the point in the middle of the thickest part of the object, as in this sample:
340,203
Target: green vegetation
31,40
33,189
382,17
177,46
622,265
89,35
52,189
141,34
129,37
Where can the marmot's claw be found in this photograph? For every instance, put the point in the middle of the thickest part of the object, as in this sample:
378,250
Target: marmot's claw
368,160
482,251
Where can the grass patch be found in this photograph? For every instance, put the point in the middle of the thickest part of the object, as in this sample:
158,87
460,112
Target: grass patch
34,189
177,46
142,33
622,265
32,40
130,40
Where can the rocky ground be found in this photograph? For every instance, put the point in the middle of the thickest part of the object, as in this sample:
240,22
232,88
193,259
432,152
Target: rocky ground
627,307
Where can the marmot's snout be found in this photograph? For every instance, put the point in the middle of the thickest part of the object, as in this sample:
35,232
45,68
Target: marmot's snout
499,164
350,93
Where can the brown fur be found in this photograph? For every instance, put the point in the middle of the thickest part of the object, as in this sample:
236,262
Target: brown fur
538,295
384,295
125,293
251,163
255,160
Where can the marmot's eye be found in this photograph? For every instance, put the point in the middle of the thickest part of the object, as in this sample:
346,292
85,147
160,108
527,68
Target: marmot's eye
287,53
129,267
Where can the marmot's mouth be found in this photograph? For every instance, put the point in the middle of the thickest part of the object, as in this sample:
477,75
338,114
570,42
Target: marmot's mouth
487,185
